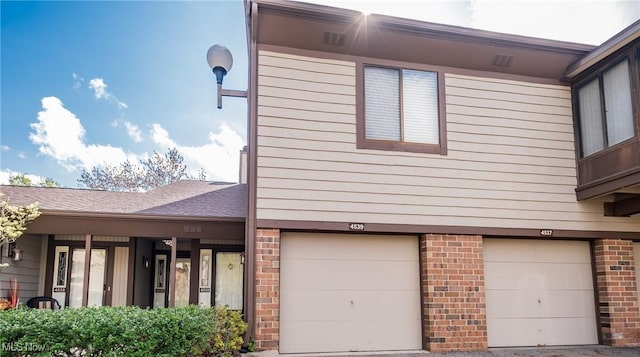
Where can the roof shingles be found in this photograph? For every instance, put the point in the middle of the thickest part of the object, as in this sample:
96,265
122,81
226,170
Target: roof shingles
183,198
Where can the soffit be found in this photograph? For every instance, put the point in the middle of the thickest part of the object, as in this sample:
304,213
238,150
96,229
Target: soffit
305,26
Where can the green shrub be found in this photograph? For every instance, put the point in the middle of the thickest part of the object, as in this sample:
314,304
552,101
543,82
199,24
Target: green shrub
229,331
121,331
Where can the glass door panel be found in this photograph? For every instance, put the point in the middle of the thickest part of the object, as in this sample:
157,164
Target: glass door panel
96,277
183,275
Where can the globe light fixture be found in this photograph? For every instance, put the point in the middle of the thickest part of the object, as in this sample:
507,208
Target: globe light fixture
220,61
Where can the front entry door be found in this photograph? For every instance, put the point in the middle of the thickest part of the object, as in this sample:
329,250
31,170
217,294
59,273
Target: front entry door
229,280
97,286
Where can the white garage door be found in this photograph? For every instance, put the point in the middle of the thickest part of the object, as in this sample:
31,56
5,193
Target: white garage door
539,293
347,292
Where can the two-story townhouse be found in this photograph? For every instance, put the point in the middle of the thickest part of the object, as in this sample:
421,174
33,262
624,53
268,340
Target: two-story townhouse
422,186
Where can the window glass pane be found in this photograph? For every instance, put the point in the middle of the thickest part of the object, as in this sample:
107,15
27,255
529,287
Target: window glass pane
617,102
382,103
590,118
420,106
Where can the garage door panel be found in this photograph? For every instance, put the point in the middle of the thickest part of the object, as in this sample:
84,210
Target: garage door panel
539,293
529,250
537,304
341,274
521,250
349,247
345,305
540,332
347,336
342,292
535,276
564,251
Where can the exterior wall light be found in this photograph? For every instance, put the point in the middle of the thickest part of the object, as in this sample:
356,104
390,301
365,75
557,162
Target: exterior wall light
220,62
15,252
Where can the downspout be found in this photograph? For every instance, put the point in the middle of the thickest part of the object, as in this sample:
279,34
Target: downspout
250,224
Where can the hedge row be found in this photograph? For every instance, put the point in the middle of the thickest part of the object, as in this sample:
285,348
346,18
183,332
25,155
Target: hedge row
121,331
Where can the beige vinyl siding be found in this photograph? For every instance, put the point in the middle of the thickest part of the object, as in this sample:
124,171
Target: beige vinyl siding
510,161
26,271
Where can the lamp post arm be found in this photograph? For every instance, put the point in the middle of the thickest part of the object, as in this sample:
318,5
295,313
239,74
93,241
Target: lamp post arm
229,93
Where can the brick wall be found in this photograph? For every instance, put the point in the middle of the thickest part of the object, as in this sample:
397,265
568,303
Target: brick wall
267,321
452,274
618,299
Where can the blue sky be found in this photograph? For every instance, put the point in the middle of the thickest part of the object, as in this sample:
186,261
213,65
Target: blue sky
84,83
118,79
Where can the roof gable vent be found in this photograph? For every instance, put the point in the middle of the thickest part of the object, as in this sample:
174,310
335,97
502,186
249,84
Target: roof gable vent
332,38
502,60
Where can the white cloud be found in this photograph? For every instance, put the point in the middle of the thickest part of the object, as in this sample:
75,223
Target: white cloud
60,136
77,81
219,157
133,131
100,91
4,148
22,155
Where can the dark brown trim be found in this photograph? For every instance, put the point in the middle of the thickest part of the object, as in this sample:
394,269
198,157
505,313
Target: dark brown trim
87,269
424,316
139,217
443,69
596,290
195,270
172,272
624,207
252,166
107,294
391,145
384,228
48,275
133,246
597,55
57,224
615,166
608,185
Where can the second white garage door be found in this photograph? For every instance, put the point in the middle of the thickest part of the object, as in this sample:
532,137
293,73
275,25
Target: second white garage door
539,293
348,292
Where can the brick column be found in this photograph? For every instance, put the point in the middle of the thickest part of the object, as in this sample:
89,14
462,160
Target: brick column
452,274
267,321
617,294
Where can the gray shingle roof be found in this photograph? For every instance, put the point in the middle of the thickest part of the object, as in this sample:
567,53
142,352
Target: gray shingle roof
182,199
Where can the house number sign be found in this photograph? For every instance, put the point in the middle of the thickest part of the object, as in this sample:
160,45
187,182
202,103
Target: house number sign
546,232
356,226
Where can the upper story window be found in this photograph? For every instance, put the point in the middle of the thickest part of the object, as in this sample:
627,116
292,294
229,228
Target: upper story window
401,110
605,109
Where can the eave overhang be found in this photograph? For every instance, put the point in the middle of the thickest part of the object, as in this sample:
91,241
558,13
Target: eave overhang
305,26
610,46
